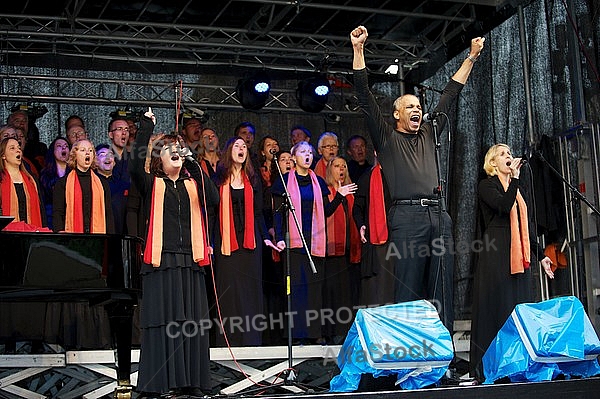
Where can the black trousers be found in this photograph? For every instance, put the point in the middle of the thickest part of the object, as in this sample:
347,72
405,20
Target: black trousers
422,251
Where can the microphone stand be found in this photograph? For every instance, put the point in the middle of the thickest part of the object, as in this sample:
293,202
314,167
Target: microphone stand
290,377
439,190
576,193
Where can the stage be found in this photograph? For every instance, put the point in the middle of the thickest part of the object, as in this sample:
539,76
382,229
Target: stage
572,389
91,374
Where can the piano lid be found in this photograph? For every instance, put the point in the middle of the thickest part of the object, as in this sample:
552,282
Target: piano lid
69,260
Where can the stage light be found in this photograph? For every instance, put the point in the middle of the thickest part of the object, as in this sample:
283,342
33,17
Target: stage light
127,113
33,111
312,93
253,92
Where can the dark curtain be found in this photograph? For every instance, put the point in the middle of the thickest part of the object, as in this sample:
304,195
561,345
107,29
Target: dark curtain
492,107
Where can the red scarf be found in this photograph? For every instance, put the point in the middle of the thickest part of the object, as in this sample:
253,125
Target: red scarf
321,168
154,240
229,242
10,201
519,235
266,176
74,210
336,230
318,239
378,230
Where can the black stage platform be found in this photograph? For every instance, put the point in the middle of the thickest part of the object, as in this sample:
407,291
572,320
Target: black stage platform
588,388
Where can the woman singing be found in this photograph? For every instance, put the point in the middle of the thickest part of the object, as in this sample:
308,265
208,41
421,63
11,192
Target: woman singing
81,200
174,349
310,197
21,197
238,249
503,276
55,167
343,253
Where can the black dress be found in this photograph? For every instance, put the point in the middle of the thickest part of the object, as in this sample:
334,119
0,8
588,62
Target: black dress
496,291
239,279
174,310
337,289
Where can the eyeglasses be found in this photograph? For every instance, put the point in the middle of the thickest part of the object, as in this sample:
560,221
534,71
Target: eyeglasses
105,154
120,129
77,134
330,147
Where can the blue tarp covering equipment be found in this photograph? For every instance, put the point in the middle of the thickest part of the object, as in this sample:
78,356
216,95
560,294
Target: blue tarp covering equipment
406,339
540,341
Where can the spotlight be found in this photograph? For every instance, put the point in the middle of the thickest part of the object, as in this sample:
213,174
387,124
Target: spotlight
33,111
312,93
127,114
197,113
253,92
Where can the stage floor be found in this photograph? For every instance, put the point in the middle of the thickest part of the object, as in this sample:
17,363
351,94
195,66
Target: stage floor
572,389
91,375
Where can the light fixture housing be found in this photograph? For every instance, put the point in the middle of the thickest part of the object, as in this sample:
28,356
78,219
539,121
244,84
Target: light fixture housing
312,93
253,92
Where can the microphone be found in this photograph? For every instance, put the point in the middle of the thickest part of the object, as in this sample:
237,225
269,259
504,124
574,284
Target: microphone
523,162
428,117
273,151
190,158
187,154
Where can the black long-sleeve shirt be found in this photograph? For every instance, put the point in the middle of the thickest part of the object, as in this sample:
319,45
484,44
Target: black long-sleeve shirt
408,160
176,209
495,205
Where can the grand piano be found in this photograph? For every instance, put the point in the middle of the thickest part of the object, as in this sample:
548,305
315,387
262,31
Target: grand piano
100,269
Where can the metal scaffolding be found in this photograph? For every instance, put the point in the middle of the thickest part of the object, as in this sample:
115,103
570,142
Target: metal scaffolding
73,89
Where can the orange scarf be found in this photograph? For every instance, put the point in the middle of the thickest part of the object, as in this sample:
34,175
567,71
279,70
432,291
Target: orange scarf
204,166
229,242
519,235
154,240
32,199
318,239
336,230
74,199
321,168
378,230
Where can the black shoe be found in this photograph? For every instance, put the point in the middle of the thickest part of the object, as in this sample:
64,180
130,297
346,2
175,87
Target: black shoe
450,378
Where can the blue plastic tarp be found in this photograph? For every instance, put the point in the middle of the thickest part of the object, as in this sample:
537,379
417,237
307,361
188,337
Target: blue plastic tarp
540,341
405,339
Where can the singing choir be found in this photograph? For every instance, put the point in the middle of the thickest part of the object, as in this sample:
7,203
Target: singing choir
230,232
169,191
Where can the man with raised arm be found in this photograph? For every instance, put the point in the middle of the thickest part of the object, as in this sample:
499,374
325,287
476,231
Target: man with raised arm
423,264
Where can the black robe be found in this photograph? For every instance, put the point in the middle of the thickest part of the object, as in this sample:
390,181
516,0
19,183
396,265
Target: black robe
496,291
